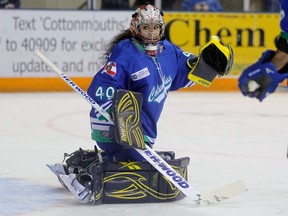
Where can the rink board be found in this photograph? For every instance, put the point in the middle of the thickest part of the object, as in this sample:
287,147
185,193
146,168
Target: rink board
57,84
75,40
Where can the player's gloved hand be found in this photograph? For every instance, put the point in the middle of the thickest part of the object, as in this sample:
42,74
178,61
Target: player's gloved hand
215,59
261,78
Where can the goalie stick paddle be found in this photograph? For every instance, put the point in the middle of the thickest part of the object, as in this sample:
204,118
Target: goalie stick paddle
151,156
218,195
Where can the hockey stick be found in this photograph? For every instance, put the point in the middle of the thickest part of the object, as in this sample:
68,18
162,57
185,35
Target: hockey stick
222,193
151,156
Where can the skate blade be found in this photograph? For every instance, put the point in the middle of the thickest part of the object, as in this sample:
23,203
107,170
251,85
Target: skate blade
57,169
78,190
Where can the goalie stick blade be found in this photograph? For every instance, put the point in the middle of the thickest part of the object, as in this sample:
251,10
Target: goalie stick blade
223,193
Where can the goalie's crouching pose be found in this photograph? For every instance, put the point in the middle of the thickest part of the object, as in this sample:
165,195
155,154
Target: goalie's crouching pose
94,180
141,67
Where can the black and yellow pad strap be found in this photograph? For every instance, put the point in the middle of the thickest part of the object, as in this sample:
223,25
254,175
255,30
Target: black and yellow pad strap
214,59
126,109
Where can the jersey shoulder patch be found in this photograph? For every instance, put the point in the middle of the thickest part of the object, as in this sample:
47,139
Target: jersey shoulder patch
110,68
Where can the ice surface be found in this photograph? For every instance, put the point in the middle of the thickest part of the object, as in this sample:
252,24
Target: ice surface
227,137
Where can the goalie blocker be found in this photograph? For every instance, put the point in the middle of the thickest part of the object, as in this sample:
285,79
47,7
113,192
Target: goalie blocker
126,110
94,180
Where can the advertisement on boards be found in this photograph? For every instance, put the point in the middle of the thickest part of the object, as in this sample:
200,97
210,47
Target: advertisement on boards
72,40
75,40
249,34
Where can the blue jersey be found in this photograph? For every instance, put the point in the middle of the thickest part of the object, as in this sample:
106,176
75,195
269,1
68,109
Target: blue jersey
130,68
284,16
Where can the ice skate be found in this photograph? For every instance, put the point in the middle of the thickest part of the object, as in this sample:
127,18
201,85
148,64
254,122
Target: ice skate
83,194
57,169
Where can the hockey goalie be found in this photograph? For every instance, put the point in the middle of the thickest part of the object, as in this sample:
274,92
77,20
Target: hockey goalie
140,68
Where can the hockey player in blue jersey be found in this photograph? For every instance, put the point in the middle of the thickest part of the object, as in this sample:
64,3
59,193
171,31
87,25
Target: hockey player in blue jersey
262,78
142,61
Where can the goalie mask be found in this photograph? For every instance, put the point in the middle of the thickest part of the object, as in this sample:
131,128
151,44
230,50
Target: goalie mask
148,18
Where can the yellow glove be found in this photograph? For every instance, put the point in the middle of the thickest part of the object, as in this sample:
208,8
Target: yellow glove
214,59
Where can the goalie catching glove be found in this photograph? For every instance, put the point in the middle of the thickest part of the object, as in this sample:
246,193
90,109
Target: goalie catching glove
214,59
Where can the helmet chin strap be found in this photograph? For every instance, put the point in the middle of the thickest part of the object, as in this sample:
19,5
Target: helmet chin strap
151,49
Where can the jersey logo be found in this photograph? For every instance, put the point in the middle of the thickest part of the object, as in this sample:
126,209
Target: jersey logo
159,92
140,74
110,68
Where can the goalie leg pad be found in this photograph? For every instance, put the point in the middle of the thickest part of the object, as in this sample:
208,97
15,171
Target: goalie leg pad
135,182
